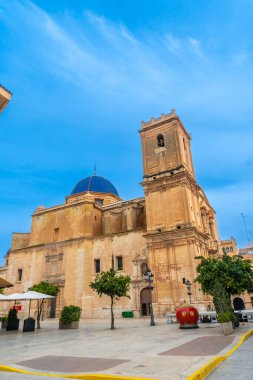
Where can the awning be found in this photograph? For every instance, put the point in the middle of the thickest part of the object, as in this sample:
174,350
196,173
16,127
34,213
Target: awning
4,283
30,295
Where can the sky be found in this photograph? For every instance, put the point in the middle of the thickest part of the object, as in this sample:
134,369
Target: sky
85,73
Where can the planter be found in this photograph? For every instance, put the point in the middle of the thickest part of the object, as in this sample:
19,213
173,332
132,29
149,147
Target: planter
72,325
12,324
128,314
29,325
188,317
227,328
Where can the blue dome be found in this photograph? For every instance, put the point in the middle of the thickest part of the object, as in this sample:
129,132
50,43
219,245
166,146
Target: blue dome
94,183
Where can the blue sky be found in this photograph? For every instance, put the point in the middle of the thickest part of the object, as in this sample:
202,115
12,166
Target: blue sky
84,74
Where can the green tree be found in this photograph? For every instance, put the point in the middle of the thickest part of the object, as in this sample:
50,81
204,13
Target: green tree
223,276
45,288
113,285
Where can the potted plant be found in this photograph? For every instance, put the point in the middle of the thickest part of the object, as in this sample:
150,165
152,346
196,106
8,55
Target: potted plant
29,324
70,316
4,322
13,321
226,319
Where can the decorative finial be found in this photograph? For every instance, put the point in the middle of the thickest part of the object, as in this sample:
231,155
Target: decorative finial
95,169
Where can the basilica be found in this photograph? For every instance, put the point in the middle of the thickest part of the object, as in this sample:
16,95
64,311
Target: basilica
164,230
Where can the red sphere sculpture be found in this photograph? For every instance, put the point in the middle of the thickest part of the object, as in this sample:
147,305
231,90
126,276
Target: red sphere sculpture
188,317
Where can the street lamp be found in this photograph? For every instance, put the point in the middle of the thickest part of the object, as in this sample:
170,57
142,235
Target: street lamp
149,277
188,285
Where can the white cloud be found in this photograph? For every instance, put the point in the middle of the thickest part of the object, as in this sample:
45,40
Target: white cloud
173,44
194,45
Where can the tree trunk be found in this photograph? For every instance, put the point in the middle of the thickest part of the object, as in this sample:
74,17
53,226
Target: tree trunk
39,313
112,315
221,300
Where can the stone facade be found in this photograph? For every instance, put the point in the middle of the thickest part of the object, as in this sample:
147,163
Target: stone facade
229,246
165,230
5,96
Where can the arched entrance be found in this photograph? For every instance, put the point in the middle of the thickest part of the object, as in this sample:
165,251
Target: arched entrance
238,303
145,302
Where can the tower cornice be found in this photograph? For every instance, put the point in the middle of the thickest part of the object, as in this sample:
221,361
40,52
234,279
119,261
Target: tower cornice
162,120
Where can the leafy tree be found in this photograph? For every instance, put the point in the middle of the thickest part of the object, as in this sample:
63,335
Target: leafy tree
223,276
113,285
46,288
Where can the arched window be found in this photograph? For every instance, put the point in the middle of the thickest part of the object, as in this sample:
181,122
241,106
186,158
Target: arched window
160,140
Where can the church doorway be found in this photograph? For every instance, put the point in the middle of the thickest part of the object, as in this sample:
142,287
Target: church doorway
238,304
145,302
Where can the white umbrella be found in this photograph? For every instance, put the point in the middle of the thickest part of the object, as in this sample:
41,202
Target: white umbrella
3,297
13,297
30,295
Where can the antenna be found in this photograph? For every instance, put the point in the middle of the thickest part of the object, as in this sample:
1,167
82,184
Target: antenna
95,169
245,226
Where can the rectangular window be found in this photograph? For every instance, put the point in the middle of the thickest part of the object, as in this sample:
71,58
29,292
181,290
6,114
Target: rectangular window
119,262
97,265
99,202
53,267
56,234
20,272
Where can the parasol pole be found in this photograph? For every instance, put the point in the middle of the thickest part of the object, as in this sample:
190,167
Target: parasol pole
29,307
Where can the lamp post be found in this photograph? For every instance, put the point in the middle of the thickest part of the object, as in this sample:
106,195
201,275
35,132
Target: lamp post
149,277
188,285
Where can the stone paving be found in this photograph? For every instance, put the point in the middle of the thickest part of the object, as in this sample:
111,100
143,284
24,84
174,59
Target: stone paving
133,349
238,366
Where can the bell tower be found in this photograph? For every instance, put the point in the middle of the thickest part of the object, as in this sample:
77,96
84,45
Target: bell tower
165,146
167,165
176,231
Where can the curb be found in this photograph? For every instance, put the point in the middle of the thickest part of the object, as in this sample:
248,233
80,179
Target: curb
207,368
86,376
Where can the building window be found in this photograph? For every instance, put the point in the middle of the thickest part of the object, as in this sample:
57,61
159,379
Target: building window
160,141
56,234
231,249
119,260
53,267
97,265
20,273
99,202
227,249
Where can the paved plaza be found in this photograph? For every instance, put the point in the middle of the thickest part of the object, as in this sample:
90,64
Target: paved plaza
133,349
238,366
